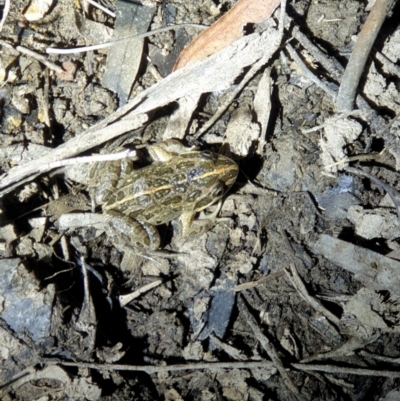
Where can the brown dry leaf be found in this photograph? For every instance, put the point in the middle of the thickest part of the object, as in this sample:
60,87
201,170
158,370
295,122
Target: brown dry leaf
226,30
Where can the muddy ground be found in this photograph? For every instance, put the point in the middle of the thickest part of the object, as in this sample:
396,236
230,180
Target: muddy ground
293,295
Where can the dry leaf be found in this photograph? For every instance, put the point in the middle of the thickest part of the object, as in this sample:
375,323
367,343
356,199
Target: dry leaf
226,30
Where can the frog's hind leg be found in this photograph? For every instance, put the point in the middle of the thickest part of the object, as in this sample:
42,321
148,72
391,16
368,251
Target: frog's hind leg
130,234
105,177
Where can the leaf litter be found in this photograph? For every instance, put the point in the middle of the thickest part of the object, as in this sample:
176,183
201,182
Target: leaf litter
309,234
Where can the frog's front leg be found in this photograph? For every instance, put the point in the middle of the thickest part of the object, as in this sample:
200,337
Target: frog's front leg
188,225
127,233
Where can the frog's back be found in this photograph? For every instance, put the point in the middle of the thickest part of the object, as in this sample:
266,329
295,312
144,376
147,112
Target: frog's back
162,191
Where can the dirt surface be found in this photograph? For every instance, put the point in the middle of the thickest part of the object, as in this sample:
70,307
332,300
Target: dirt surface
292,295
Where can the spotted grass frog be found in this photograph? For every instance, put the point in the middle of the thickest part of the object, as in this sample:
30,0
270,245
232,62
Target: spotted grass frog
180,182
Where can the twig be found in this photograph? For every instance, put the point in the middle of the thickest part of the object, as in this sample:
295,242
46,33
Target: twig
250,74
359,56
347,371
6,10
338,117
126,154
346,349
234,353
268,347
394,195
35,55
125,299
251,284
380,358
102,8
297,282
330,64
335,69
168,368
53,50
308,74
367,156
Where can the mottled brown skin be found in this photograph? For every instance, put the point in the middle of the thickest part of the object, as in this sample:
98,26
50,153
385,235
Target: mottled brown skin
181,182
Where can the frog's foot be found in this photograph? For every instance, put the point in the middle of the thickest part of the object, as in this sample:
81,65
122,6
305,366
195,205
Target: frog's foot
130,234
166,150
188,226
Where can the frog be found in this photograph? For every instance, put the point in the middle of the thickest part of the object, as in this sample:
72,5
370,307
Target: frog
180,183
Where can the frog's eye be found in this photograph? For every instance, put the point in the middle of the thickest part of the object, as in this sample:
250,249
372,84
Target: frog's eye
218,191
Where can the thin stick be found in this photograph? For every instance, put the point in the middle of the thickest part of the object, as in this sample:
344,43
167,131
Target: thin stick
330,64
394,195
35,55
368,156
251,284
125,299
102,8
298,284
338,117
267,345
168,368
347,371
308,74
6,10
91,159
359,56
314,303
380,358
53,50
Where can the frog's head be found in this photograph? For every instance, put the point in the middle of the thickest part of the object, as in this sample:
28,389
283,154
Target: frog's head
227,171
214,177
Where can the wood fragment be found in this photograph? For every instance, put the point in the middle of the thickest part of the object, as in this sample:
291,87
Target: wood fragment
375,271
359,56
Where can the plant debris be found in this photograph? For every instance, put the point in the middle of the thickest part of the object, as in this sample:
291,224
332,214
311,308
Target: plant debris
293,293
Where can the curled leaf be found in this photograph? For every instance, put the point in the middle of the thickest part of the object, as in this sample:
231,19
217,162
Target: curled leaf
226,30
